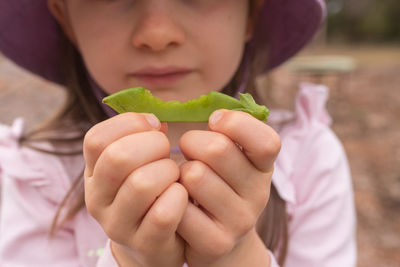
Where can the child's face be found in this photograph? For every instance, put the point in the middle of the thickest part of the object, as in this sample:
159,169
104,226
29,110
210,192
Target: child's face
178,49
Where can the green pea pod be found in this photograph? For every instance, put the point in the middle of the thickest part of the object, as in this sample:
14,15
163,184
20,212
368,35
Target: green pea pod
196,110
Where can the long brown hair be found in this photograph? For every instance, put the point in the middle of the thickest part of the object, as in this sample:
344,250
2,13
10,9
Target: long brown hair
82,110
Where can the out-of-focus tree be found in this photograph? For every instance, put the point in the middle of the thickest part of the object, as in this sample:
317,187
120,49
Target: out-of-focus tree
364,20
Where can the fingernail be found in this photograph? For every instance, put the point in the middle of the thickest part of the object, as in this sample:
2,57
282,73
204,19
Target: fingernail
153,121
215,117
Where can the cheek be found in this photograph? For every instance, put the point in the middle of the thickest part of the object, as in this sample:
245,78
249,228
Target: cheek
100,58
98,45
224,64
99,65
225,49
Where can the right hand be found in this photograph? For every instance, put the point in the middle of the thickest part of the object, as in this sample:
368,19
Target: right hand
131,189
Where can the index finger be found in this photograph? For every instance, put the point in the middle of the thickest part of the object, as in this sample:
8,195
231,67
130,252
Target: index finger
260,143
108,131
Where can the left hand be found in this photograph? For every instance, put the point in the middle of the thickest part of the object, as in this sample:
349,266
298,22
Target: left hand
228,175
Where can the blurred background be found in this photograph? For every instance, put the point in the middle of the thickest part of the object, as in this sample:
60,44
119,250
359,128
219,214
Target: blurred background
356,54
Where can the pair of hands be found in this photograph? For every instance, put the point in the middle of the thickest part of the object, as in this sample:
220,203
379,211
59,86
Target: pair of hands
141,197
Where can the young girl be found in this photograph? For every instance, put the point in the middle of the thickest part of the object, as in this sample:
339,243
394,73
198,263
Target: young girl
176,194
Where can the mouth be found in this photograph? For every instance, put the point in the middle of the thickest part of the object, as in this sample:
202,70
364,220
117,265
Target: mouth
160,76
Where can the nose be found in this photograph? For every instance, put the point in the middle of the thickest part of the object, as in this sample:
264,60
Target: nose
156,31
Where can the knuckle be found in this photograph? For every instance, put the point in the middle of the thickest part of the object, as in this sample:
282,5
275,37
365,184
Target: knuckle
93,142
162,219
116,156
91,207
272,146
247,221
109,228
171,167
263,197
134,120
264,149
256,206
260,196
218,146
261,201
92,203
220,246
276,143
234,119
139,183
181,190
161,141
193,173
247,224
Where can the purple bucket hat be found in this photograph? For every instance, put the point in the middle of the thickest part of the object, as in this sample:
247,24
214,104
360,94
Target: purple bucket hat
29,33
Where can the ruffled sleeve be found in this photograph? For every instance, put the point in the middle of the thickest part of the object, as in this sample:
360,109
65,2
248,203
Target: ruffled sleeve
33,184
42,171
312,175
310,114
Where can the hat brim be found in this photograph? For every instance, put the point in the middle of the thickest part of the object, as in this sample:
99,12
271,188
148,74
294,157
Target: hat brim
29,35
284,27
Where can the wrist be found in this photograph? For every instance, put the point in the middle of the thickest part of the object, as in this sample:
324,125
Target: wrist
123,256
250,251
126,257
255,250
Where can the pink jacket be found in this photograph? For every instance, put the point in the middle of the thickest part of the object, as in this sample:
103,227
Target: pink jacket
311,175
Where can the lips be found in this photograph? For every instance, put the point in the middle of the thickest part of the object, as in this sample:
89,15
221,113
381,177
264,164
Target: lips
161,76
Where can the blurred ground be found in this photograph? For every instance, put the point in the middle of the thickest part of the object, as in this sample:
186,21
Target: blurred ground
25,95
365,107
